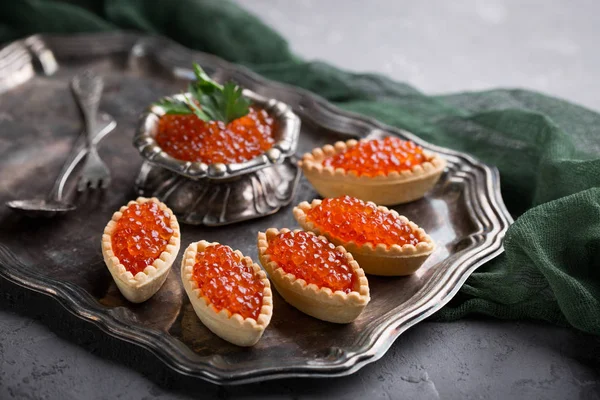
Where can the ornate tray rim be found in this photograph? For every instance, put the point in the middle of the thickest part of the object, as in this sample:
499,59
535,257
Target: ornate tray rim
18,57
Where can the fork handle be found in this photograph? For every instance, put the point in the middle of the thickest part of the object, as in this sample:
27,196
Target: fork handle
87,89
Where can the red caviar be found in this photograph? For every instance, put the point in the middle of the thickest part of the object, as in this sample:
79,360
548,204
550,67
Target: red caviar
313,259
228,282
378,157
352,220
188,138
141,235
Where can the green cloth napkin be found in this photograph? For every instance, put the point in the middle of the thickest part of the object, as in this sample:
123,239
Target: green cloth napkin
547,150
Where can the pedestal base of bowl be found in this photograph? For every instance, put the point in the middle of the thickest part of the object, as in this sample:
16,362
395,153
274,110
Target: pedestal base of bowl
214,202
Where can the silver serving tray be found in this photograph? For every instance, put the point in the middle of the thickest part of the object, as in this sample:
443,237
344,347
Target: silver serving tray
464,213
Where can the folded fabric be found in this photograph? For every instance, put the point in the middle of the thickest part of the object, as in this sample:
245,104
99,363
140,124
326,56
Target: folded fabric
547,150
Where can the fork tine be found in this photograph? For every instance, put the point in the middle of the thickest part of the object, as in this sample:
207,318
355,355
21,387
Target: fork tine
82,184
105,182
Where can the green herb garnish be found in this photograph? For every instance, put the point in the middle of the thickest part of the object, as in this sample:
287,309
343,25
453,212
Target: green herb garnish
209,100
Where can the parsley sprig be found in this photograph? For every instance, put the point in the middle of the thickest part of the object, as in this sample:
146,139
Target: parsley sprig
209,100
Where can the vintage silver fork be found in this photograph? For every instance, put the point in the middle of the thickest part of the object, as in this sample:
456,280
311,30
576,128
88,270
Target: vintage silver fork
87,89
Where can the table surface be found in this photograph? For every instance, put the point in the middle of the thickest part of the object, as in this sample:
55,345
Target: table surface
437,46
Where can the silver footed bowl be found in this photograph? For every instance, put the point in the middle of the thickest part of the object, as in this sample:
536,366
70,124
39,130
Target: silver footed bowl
286,140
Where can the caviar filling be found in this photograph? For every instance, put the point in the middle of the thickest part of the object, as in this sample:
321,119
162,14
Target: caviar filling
378,157
352,220
228,282
188,138
141,235
312,259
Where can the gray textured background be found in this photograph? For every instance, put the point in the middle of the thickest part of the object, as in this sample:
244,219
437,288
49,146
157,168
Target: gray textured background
449,46
438,46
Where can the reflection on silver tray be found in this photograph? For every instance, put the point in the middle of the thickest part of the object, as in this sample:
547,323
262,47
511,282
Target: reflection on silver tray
464,213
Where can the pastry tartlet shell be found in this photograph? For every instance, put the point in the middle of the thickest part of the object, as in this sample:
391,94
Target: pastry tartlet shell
397,187
231,327
143,285
376,259
318,302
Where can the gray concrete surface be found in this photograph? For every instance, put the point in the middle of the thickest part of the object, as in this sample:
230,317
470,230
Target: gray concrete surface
45,353
448,46
438,46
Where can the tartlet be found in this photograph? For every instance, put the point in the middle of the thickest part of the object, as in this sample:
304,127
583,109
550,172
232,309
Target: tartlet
376,258
144,284
395,187
233,327
319,302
